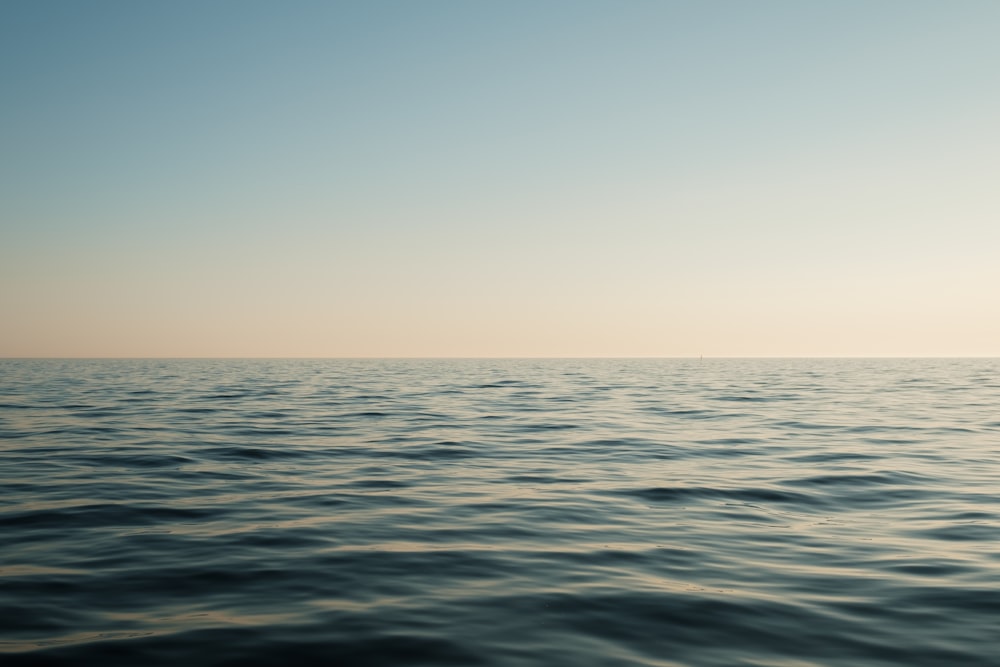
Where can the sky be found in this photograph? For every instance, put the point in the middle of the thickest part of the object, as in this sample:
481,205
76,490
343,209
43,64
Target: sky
564,178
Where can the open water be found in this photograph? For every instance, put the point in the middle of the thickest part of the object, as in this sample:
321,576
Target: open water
500,512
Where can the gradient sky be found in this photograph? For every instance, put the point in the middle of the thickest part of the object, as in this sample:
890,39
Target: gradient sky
558,178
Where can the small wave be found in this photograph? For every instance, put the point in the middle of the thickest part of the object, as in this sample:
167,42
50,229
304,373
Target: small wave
961,532
379,484
423,453
741,399
253,453
146,460
101,514
859,480
808,426
699,493
834,457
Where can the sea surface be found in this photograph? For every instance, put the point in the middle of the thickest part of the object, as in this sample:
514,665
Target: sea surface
784,513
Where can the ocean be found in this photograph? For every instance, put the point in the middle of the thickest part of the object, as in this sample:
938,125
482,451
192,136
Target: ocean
661,512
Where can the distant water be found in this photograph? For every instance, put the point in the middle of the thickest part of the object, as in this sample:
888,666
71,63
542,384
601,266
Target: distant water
779,513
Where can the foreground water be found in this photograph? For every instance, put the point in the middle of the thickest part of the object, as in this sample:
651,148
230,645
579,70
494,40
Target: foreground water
500,512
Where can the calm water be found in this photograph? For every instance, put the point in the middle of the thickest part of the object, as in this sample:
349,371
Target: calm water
483,512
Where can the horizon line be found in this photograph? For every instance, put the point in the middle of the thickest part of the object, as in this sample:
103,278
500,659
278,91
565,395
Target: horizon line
472,358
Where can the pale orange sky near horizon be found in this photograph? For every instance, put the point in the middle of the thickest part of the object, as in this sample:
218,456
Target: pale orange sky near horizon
443,179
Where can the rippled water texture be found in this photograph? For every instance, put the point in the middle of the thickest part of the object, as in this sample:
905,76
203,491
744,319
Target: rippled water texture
484,512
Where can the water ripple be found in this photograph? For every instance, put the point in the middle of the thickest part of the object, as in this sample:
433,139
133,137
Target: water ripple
483,512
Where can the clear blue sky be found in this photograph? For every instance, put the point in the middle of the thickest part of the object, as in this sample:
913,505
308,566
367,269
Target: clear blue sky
559,178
